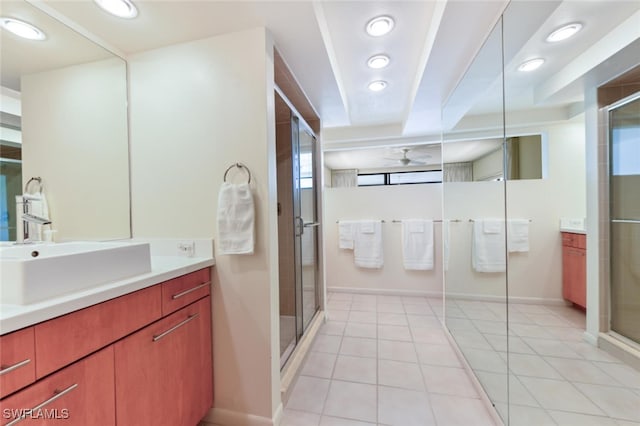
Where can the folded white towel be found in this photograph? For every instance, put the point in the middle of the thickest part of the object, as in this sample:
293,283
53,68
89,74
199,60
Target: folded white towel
38,207
488,249
417,244
346,234
367,249
492,226
308,247
236,220
518,235
446,243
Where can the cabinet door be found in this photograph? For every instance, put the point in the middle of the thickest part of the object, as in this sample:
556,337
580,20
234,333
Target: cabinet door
164,371
567,273
17,361
579,290
81,394
574,275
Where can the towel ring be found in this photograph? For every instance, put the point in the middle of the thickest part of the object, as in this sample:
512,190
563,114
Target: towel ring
33,179
240,166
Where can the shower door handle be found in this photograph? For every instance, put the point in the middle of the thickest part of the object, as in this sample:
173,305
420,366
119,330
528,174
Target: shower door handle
299,223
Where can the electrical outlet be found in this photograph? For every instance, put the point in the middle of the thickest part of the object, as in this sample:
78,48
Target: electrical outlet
187,248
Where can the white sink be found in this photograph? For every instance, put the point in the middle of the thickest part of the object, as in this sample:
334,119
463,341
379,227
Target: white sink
35,272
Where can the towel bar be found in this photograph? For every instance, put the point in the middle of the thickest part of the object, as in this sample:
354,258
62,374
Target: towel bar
33,179
240,166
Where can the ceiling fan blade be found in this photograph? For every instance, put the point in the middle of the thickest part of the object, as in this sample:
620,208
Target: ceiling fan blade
418,163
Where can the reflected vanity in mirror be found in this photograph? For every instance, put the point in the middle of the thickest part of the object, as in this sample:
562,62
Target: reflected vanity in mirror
64,119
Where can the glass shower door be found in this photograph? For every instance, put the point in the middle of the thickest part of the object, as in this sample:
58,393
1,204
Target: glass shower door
624,196
306,226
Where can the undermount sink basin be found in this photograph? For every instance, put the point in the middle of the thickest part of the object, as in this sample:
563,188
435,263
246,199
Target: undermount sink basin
35,272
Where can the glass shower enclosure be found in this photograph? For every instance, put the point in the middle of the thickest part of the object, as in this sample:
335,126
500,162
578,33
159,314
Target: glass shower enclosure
624,197
297,225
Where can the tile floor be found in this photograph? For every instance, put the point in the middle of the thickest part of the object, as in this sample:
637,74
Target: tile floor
556,378
385,360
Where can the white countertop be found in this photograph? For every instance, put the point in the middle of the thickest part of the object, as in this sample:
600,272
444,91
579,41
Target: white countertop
573,230
163,268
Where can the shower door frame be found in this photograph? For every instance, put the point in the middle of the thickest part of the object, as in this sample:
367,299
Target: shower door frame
607,305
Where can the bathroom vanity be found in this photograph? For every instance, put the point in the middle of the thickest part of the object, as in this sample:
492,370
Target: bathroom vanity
143,358
574,268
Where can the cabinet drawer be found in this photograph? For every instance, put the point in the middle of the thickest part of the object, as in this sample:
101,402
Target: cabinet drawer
179,292
81,394
574,240
17,361
62,340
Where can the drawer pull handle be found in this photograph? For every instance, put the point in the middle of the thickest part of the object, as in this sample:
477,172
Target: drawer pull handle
174,328
56,395
184,293
10,368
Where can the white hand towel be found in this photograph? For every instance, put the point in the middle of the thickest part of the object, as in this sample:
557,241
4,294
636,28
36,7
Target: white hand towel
38,207
367,250
488,249
492,226
417,244
308,247
346,234
518,235
446,243
236,220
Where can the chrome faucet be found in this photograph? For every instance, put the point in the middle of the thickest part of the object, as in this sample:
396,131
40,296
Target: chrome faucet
24,217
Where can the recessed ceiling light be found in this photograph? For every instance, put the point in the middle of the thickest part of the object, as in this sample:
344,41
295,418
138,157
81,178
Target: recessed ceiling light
564,32
22,29
120,8
530,65
378,85
378,61
380,26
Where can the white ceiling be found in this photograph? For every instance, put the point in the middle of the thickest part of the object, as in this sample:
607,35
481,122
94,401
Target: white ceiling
432,45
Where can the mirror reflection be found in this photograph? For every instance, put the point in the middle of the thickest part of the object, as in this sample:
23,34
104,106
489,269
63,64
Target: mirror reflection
64,120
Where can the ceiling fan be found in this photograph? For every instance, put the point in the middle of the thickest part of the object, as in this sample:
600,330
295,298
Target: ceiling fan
406,161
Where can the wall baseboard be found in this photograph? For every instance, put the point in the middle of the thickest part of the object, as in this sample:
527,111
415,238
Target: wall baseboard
454,296
620,347
222,417
384,291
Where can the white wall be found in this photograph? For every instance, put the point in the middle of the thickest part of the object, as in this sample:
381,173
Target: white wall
197,108
537,274
74,133
388,203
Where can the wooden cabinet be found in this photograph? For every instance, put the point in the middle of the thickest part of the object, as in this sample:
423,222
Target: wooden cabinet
17,361
79,395
163,372
146,356
62,340
574,268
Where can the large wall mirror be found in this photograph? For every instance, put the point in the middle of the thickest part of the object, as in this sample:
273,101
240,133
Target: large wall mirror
516,144
64,120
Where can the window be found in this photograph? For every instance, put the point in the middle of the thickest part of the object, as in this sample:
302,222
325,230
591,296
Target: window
369,180
400,178
432,176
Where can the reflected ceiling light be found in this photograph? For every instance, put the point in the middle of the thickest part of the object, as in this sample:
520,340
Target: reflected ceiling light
378,61
120,8
22,29
378,85
380,26
530,65
564,32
